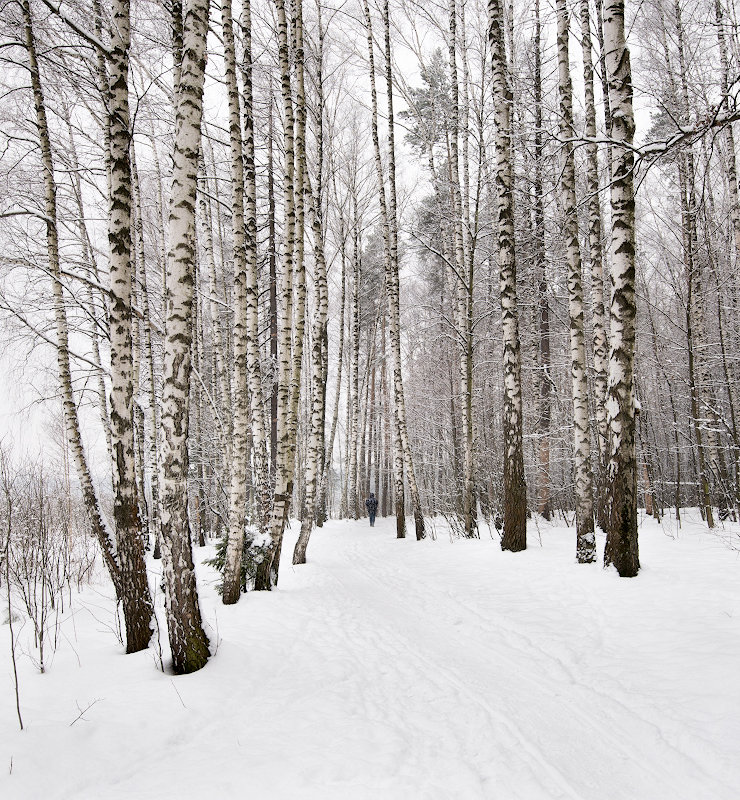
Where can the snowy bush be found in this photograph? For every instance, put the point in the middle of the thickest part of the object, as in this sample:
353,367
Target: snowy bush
256,546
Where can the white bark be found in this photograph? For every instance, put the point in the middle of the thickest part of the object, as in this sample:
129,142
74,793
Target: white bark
148,355
288,354
393,288
515,493
353,511
621,542
314,456
137,604
462,287
254,367
239,466
600,341
585,540
188,642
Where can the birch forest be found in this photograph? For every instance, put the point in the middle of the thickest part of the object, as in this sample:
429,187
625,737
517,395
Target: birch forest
260,259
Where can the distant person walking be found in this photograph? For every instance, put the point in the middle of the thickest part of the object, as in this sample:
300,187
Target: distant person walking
372,507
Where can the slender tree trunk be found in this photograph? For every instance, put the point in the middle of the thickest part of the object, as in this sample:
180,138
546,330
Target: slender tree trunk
621,536
225,421
258,429
290,352
196,411
728,131
596,259
322,500
387,449
239,466
733,427
353,511
188,641
317,388
137,603
284,448
515,491
272,245
586,542
392,286
462,290
148,351
137,349
606,100
544,415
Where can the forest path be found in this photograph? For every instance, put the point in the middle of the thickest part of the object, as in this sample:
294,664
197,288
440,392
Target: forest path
503,675
390,669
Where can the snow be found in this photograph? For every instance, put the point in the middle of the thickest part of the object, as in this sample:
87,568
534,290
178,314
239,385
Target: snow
404,669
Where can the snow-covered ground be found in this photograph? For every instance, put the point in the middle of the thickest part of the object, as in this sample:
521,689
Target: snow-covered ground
404,669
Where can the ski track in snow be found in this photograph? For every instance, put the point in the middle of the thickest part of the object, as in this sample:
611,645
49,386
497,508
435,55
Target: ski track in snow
404,669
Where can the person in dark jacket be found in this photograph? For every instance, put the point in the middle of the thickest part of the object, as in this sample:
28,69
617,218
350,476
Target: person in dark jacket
372,507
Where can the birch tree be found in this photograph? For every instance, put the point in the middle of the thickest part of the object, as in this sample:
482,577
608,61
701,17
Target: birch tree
289,353
585,539
595,253
239,466
254,367
621,536
393,289
188,641
463,282
137,604
315,454
515,492
544,412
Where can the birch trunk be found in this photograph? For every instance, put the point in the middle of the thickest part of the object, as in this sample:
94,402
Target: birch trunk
621,535
733,428
317,388
239,467
354,385
544,392
197,392
272,244
225,421
327,464
254,366
137,349
290,354
606,100
188,641
595,232
392,285
515,491
387,438
729,132
148,354
137,603
463,290
585,539
316,439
